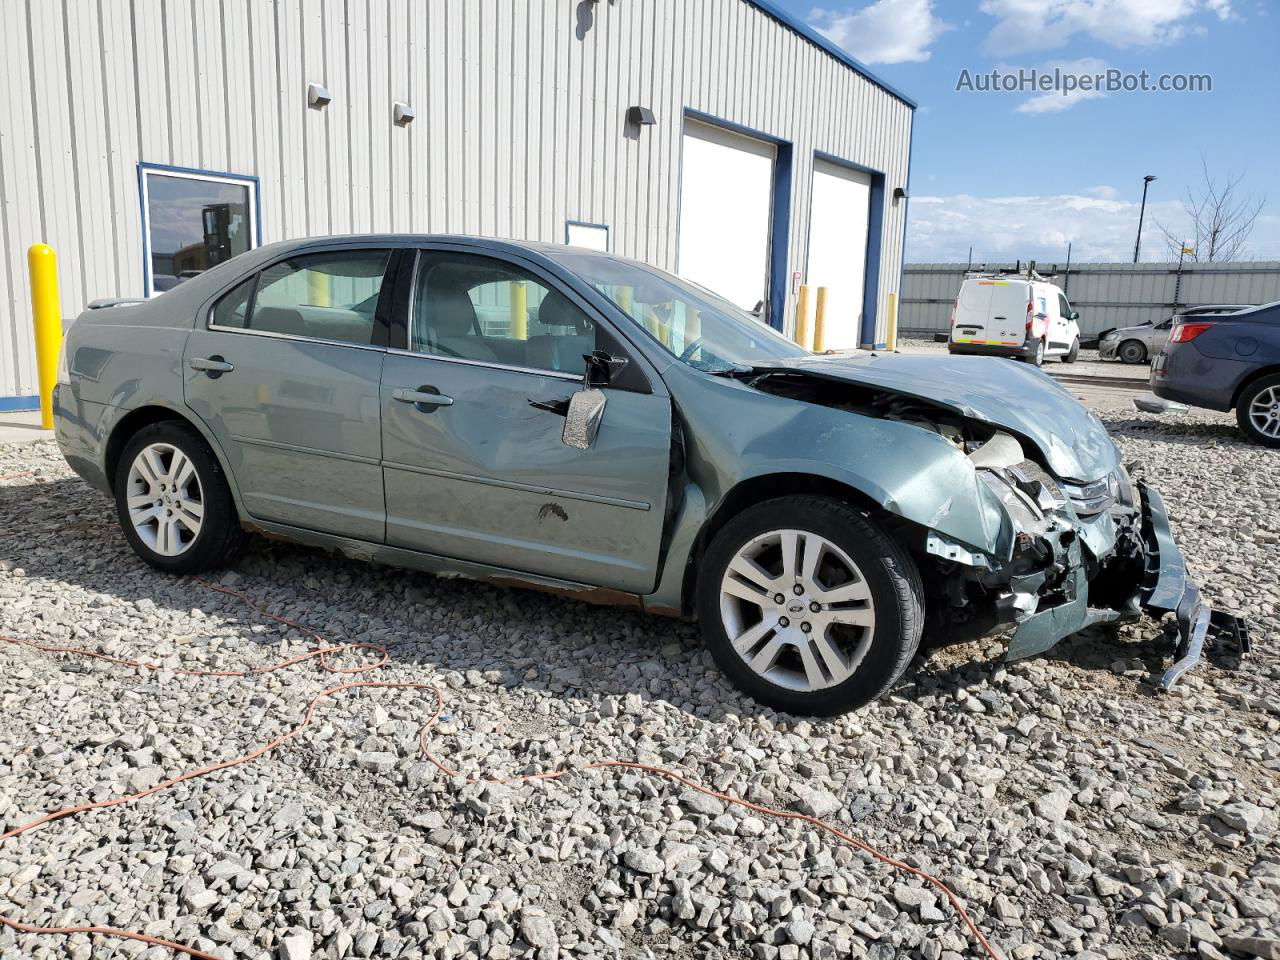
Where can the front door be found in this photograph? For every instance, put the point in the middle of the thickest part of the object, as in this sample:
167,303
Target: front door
285,375
474,465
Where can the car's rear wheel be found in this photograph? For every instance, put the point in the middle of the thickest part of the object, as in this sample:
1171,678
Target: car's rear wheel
1074,353
1038,357
173,502
1258,411
1132,351
808,607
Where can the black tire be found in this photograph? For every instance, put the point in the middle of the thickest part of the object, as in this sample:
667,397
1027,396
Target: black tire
890,575
1074,353
1037,358
1132,351
219,536
1244,413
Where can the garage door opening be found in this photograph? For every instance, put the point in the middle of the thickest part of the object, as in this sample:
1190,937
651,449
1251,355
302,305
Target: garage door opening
726,212
840,212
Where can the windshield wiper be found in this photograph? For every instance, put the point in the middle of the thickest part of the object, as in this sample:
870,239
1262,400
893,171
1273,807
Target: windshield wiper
735,372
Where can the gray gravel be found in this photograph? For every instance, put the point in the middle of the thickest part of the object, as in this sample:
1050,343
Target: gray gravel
1076,812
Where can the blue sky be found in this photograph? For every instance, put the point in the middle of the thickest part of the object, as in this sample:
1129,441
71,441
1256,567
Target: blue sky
1019,175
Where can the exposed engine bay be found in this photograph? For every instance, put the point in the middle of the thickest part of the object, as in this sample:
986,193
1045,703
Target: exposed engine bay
1081,552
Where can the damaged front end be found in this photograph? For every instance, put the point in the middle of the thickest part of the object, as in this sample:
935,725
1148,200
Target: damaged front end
1041,551
1082,554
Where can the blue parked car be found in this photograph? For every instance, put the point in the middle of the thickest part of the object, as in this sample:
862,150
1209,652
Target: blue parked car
1229,362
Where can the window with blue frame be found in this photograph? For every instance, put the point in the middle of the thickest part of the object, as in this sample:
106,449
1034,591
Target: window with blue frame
193,220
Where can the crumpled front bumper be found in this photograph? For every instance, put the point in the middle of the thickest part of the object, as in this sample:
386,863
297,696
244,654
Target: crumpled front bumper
1165,587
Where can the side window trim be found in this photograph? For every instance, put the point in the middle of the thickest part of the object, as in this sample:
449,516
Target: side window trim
395,256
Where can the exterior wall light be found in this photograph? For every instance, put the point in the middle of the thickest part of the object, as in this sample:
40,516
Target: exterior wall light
900,193
640,116
318,96
402,114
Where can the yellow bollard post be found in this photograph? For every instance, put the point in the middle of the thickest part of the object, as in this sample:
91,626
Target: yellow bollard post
804,323
519,310
891,334
46,312
820,322
318,289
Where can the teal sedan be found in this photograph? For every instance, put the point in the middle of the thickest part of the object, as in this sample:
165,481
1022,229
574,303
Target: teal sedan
572,421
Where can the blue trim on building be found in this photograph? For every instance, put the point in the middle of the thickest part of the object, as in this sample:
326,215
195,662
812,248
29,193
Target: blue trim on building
779,215
13,404
875,238
145,168
821,42
608,237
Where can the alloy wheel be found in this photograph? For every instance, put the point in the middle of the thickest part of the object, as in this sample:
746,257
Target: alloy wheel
1264,412
165,501
797,610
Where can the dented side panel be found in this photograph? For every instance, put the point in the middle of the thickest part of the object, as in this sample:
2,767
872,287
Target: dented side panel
487,479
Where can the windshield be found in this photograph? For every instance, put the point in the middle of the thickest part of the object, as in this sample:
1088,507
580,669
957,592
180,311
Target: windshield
692,324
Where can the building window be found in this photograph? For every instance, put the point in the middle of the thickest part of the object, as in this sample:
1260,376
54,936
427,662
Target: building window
591,236
193,220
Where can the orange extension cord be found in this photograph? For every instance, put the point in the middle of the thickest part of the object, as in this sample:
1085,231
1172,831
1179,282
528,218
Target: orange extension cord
324,654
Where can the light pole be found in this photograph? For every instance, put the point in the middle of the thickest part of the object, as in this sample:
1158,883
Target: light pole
1146,182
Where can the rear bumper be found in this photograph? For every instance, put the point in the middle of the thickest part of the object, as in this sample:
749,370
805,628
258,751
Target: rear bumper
1182,373
1025,351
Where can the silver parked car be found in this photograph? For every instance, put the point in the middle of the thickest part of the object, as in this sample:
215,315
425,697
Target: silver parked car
1139,343
578,422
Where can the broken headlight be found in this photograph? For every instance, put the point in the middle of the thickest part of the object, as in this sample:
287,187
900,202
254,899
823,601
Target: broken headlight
1092,498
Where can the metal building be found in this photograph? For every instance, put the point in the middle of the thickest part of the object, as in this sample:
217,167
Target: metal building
149,139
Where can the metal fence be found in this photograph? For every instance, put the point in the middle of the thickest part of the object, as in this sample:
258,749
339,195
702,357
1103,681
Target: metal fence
1106,294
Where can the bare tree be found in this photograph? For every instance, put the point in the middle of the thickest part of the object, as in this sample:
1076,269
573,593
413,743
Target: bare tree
1221,220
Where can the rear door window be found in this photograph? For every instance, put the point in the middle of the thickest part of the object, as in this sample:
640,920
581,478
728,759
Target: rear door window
320,296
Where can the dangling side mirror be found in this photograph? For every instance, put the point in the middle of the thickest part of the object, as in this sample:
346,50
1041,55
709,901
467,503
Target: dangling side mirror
586,407
582,419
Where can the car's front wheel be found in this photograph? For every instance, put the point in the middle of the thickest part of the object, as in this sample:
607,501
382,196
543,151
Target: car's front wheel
172,500
1074,353
808,607
1132,351
1258,411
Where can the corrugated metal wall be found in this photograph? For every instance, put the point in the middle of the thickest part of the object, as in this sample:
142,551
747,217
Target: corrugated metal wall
520,123
1106,294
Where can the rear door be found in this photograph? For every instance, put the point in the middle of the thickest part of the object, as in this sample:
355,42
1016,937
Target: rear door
285,373
973,310
481,474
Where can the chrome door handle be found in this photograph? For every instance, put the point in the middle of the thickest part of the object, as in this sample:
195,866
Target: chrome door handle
213,366
405,395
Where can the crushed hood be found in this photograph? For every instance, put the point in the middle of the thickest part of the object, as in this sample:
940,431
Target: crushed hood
1014,396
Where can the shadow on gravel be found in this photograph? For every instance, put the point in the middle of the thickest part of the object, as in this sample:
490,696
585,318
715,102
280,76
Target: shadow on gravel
1176,431
65,531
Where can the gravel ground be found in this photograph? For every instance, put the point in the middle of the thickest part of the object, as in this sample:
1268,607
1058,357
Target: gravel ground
1075,811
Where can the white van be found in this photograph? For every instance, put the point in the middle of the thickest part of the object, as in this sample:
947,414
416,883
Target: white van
1023,316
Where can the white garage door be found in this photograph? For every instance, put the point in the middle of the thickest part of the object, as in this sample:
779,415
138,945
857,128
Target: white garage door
726,202
839,211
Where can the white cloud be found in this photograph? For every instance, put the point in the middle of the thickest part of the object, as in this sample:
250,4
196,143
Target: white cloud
887,31
1046,24
1100,228
1102,192
1055,101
